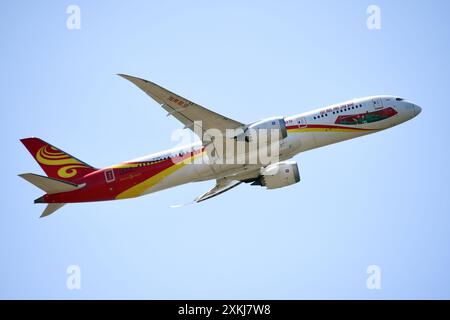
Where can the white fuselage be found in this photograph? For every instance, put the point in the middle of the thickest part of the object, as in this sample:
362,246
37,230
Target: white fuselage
306,131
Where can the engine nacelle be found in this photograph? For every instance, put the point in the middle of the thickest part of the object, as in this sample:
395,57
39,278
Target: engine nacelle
265,126
279,175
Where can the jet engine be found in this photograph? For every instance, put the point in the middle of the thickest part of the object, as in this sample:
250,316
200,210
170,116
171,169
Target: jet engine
252,131
279,175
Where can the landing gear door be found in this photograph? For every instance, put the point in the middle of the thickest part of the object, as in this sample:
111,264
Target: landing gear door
377,103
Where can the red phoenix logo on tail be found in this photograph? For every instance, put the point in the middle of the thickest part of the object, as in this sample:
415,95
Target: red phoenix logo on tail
51,156
55,162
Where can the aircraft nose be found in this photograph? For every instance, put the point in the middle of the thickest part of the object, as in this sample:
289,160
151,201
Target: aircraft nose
417,110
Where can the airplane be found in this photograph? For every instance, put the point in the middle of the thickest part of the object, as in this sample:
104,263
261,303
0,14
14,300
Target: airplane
70,180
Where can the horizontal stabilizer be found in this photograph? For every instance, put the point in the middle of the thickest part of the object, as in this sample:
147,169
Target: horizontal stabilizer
49,185
52,207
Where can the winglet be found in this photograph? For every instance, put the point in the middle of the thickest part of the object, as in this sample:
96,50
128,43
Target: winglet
181,205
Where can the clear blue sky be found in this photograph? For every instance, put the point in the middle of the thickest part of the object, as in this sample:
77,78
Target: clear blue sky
379,200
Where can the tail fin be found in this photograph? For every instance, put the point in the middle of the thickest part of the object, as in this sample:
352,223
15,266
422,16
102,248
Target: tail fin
55,162
50,186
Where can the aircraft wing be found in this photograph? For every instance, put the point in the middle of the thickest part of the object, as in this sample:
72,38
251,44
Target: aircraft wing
183,109
222,185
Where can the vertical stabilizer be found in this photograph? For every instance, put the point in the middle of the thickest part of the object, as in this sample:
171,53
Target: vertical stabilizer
56,163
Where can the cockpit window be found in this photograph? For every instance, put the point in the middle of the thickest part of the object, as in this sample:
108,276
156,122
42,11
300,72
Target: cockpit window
399,99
